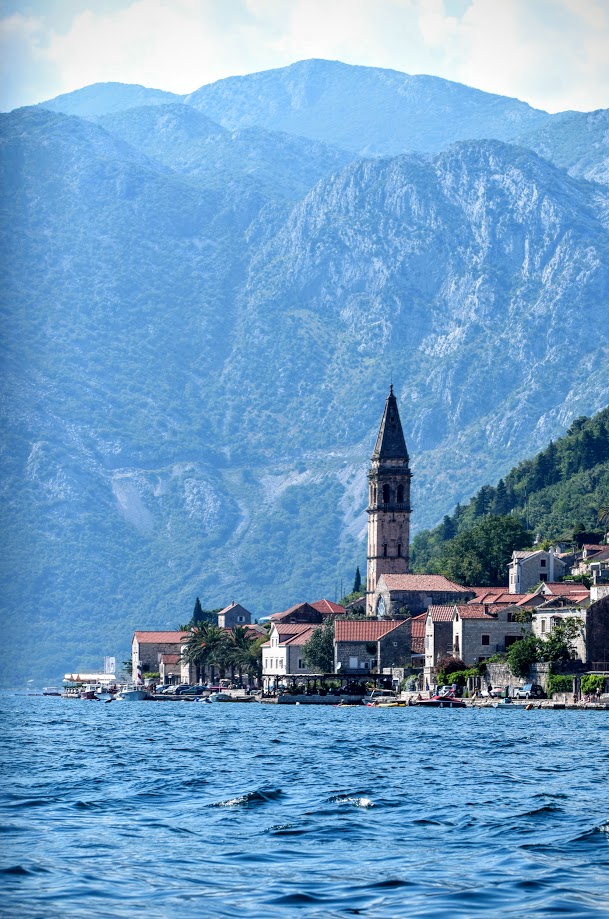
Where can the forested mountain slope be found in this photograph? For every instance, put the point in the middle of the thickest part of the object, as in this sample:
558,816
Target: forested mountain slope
557,492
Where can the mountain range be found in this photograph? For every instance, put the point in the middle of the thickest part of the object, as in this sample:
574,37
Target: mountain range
206,297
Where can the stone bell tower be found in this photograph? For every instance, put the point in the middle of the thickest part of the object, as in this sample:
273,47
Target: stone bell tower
388,503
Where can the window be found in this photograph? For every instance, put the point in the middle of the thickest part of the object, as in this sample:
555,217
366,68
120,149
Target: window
543,626
400,497
485,639
399,550
300,664
386,494
509,640
543,577
353,663
509,617
542,562
385,550
240,618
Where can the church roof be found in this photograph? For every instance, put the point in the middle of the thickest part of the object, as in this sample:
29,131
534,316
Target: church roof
390,443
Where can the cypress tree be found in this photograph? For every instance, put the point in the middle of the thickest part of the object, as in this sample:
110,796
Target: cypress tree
357,584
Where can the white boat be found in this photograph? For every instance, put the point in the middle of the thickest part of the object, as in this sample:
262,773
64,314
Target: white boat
51,691
132,695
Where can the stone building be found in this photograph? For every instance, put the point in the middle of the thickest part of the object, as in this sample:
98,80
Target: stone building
148,647
234,615
480,631
362,646
411,594
388,503
438,638
527,569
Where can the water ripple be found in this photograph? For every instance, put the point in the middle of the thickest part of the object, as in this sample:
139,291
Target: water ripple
277,811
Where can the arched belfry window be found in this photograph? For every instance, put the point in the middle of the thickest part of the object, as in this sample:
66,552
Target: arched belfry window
400,498
399,550
385,550
386,494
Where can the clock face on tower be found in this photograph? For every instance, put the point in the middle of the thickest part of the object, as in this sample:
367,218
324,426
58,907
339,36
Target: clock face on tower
380,607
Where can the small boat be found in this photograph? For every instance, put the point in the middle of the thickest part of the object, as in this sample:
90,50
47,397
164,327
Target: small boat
132,695
447,701
502,702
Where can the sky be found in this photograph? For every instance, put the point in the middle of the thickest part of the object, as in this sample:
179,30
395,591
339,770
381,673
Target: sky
553,54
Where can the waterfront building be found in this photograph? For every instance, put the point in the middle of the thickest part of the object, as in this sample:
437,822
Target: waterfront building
283,653
362,646
147,648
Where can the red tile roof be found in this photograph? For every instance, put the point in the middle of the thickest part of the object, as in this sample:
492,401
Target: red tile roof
170,658
441,613
425,583
562,589
478,611
417,634
327,607
302,637
303,609
285,629
364,630
159,638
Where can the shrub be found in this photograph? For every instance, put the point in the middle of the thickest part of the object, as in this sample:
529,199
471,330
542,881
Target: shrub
558,682
592,681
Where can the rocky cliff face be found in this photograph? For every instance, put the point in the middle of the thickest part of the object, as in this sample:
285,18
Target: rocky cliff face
201,322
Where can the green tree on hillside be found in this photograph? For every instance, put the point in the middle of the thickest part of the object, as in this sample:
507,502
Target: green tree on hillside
357,583
481,554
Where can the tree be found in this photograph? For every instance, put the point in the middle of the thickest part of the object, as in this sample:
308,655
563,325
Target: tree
522,654
319,649
447,665
245,652
207,646
481,554
560,643
200,615
357,584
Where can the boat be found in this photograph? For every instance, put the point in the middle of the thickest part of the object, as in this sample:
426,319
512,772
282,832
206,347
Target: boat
132,695
447,701
502,702
383,698
51,691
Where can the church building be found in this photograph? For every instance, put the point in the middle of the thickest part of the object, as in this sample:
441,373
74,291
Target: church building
388,505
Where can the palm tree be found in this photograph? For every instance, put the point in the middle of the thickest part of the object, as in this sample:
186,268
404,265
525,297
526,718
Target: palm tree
245,652
603,514
207,645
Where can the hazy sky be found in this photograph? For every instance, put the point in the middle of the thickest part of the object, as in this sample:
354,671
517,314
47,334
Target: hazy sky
553,54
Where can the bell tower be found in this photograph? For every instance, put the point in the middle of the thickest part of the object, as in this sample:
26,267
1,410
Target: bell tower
388,502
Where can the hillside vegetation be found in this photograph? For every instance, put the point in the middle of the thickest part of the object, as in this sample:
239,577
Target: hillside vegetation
557,493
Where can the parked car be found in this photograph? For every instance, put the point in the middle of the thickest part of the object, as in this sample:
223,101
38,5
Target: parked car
530,691
181,689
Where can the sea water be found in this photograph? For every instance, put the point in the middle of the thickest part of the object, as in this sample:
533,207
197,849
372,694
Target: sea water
177,809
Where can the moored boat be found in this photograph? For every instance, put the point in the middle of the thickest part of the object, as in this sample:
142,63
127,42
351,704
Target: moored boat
132,695
447,701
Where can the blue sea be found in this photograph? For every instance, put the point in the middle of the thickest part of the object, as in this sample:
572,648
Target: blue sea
176,809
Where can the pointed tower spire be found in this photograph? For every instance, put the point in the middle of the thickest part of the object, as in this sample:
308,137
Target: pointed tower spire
388,508
390,443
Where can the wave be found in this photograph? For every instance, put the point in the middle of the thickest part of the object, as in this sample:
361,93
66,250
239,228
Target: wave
251,798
